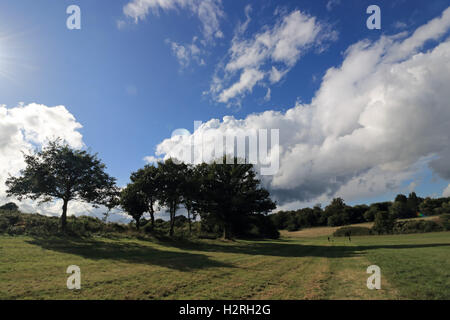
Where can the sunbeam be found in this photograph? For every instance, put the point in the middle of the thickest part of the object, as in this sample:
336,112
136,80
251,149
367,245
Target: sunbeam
12,56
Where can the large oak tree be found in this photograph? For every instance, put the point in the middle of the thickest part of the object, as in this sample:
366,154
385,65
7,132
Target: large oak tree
61,172
134,201
172,183
146,180
230,192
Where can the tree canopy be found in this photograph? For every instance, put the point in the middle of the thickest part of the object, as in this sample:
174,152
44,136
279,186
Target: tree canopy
61,172
172,184
134,201
230,193
147,182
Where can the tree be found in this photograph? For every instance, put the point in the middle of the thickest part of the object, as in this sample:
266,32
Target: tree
60,172
399,209
280,219
428,206
369,215
190,193
335,213
401,198
318,213
172,180
112,200
10,206
134,201
413,203
231,192
384,222
306,218
147,181
357,213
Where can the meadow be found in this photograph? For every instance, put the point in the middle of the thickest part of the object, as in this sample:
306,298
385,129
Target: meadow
296,266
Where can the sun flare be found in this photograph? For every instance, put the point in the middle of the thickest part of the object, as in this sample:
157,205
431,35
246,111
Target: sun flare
11,56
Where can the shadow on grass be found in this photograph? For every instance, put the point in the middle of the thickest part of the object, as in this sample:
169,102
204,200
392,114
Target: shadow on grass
283,249
133,252
129,252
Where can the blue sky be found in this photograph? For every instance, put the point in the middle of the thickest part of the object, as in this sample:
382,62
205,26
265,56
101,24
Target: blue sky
121,80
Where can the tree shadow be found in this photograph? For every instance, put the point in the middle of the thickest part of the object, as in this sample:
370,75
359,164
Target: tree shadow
129,252
294,250
133,252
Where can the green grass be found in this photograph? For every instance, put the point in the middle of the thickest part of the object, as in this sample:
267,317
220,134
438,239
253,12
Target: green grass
412,266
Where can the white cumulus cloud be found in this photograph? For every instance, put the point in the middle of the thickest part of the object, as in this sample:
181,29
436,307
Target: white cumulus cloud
446,192
270,54
377,118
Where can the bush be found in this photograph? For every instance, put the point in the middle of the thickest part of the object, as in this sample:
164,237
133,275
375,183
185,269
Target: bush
292,227
400,227
384,223
11,206
256,226
16,223
416,226
445,221
352,231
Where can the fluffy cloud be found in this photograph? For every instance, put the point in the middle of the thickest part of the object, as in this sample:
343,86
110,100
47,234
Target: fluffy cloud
268,54
208,11
377,119
446,192
152,159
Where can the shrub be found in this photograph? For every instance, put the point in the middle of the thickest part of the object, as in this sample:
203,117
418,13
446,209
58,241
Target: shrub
16,223
384,222
3,224
416,226
115,227
352,231
445,221
11,206
249,226
258,226
292,227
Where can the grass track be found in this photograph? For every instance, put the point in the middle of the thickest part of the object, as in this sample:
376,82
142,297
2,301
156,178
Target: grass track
413,267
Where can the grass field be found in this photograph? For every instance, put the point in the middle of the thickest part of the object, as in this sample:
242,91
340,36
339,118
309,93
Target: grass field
412,267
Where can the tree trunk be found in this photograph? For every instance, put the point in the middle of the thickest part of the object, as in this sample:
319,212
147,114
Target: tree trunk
152,216
172,221
226,232
64,216
137,224
189,219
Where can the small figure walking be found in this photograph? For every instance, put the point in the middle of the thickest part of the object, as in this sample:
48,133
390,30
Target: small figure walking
347,234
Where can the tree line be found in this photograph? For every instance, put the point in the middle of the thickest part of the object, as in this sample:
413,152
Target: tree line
337,213
227,198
